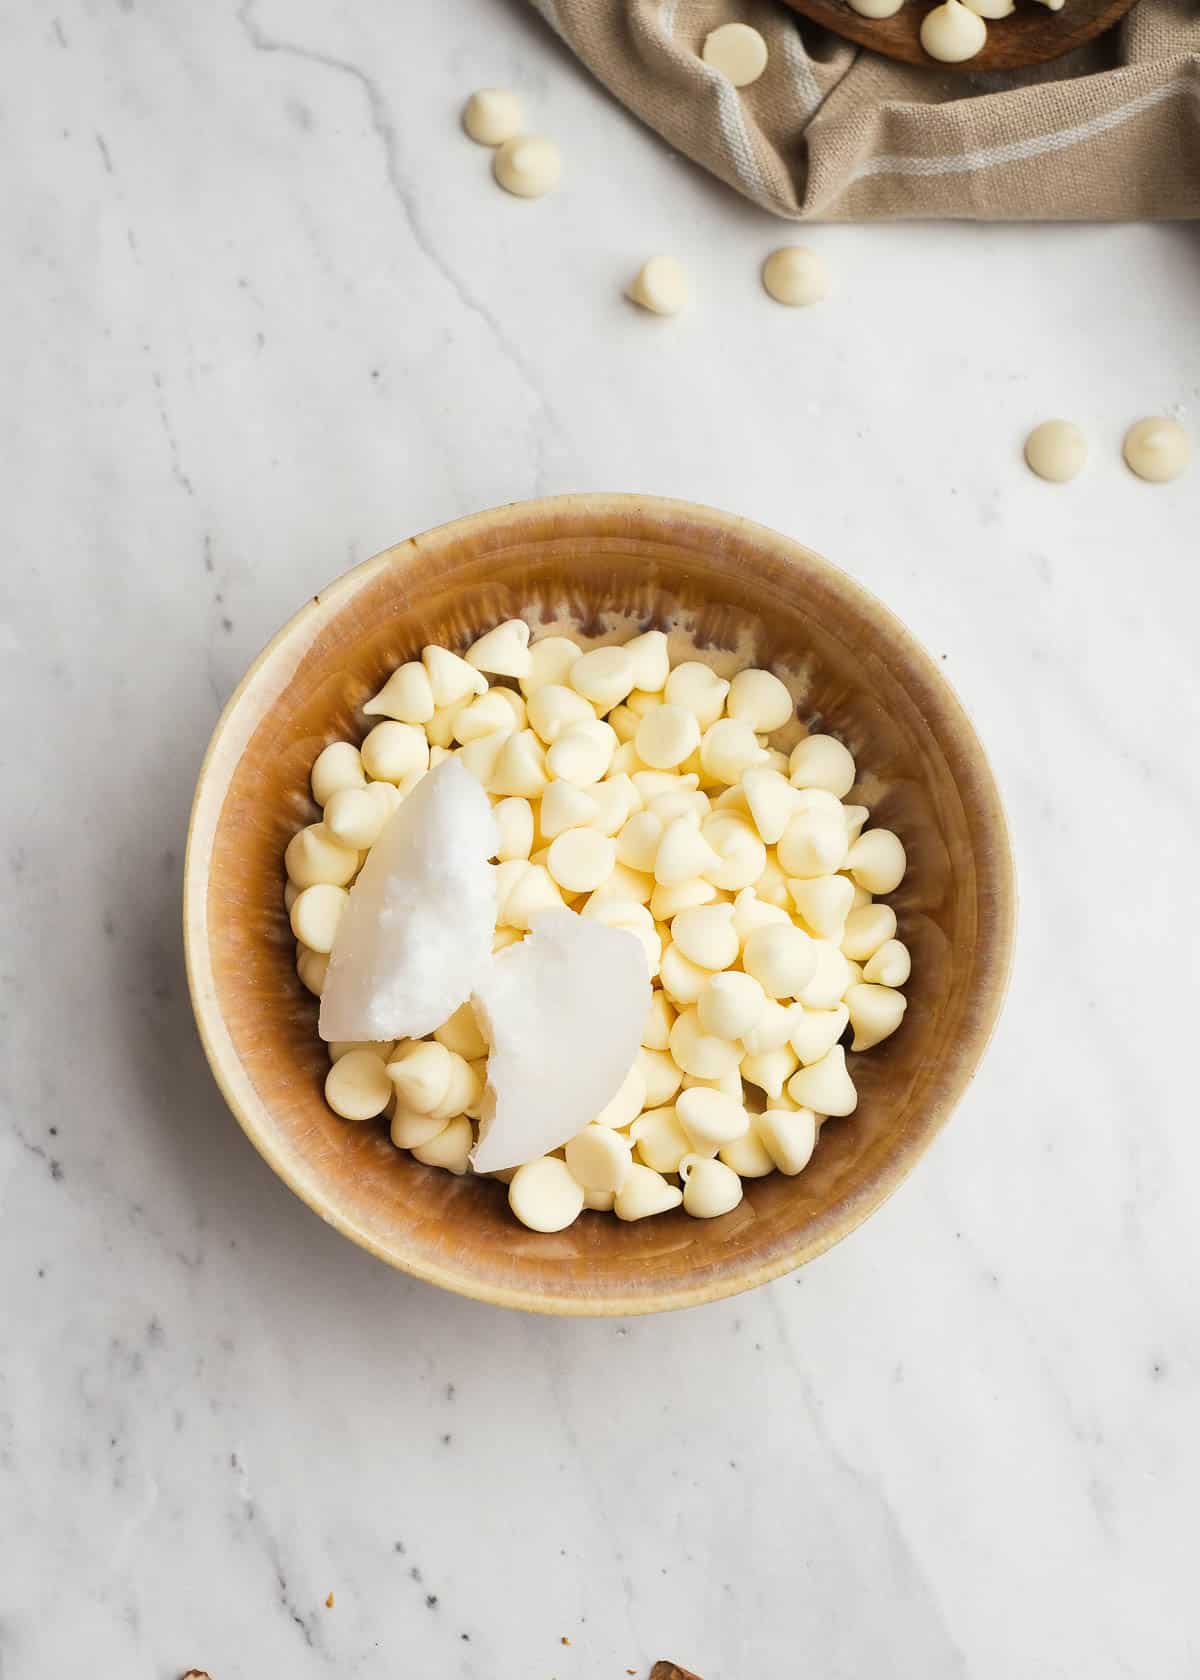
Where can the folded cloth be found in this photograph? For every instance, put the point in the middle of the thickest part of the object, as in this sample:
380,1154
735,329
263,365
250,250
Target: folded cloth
831,132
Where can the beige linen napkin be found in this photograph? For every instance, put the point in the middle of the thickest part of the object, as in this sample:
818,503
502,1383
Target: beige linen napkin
831,132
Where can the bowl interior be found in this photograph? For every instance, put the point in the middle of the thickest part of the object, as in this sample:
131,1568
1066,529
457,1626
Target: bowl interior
594,559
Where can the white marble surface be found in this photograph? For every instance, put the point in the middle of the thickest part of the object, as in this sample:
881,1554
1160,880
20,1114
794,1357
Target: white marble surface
265,313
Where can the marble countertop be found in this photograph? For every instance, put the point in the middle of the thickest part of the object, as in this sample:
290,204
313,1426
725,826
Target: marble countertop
265,313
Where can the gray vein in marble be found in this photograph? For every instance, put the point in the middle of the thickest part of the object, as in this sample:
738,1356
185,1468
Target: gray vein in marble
404,195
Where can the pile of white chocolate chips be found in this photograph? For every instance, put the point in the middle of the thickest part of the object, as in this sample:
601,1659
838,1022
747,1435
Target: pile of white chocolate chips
589,929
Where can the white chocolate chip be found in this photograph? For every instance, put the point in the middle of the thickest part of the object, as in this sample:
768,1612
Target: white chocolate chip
520,768
420,1074
357,816
951,33
821,761
316,914
544,1195
781,957
514,823
682,980
627,1102
639,840
729,746
451,679
812,844
824,903
357,1086
876,861
651,664
731,1005
830,979
876,8
770,1069
528,165
338,766
1056,450
683,853
698,1052
1156,449
738,52
407,696
771,801
750,911
599,1158
393,751
698,688
667,901
504,651
710,1117
659,1140
645,1193
662,1077
660,286
450,1149
875,1013
656,1034
492,116
549,661
813,1033
312,968
463,1034
489,715
825,1087
314,856
710,1188
705,935
666,736
566,806
889,965
741,856
746,1155
789,1137
581,859
582,753
797,277
772,1028
866,930
604,676
759,698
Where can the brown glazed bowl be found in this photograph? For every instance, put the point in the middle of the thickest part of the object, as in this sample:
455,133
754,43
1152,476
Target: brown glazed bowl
923,773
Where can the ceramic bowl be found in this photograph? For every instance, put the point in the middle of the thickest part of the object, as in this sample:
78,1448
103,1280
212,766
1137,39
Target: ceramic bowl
736,584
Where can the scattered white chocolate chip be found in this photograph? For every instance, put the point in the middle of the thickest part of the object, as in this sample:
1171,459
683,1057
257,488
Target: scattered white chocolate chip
492,116
451,679
660,286
796,276
876,8
314,855
875,1013
1056,450
450,1148
781,957
549,661
991,9
651,664
528,165
821,761
789,1137
889,965
731,1004
1156,449
738,52
951,33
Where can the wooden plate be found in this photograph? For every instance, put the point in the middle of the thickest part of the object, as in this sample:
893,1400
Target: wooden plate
1030,36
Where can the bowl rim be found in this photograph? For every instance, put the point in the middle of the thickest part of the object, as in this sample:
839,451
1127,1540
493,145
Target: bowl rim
997,896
